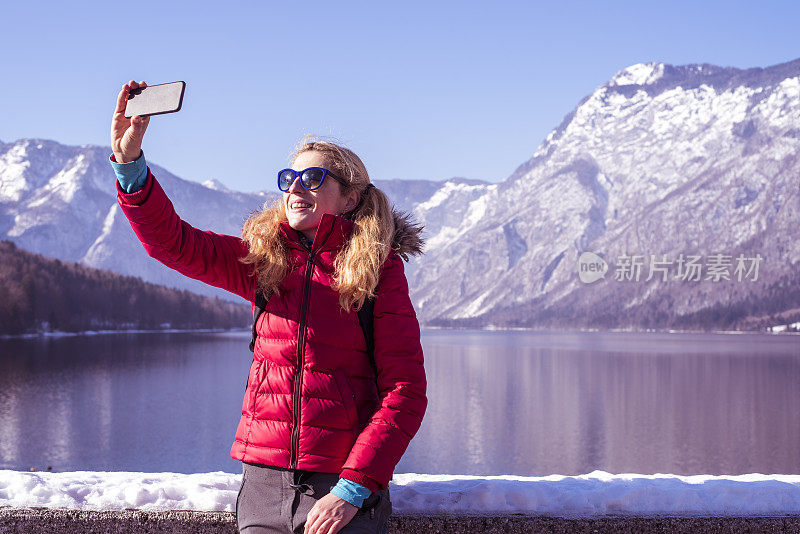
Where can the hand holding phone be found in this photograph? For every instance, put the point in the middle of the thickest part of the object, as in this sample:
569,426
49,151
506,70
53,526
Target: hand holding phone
135,104
127,134
155,99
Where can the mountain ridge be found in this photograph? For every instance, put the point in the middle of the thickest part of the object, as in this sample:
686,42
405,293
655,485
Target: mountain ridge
658,160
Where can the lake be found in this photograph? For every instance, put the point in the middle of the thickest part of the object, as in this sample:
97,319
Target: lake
499,402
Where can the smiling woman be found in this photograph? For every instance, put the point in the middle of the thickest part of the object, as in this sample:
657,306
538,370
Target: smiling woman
327,413
304,212
376,227
309,197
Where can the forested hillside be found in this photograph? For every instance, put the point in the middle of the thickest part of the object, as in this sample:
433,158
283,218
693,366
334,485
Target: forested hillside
42,294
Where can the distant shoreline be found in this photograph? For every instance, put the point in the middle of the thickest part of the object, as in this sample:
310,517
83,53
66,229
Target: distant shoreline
616,330
58,334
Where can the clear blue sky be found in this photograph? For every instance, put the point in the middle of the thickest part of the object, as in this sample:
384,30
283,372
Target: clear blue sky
426,90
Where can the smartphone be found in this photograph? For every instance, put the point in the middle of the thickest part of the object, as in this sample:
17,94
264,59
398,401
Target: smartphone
155,99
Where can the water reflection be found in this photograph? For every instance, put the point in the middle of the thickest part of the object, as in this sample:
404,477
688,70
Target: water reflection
167,402
499,402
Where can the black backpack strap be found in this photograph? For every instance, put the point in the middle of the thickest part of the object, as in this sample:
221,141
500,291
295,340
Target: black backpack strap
261,305
366,319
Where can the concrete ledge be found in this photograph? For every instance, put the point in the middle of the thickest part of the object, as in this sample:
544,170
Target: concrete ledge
57,521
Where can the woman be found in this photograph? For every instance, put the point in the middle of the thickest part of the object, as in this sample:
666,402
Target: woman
323,425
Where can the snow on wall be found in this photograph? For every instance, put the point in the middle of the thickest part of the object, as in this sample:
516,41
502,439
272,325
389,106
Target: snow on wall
595,493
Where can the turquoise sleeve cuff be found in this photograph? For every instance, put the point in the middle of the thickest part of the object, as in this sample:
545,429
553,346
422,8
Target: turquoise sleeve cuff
350,491
131,176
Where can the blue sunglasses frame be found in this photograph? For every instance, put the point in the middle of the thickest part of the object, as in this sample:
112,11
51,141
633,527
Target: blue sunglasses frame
295,174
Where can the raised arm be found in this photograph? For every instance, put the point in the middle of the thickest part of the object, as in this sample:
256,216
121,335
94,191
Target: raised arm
202,255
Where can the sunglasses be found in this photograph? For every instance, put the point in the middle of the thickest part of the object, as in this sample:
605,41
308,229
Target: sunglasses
310,178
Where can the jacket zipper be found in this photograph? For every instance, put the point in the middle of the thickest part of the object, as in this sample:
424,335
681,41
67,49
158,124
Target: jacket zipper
298,383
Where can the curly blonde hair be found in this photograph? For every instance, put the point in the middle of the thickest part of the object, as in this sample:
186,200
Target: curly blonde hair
357,266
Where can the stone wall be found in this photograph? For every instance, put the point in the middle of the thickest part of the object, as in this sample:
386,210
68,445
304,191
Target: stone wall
54,521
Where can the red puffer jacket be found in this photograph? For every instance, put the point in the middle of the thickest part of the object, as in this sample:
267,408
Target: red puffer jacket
313,400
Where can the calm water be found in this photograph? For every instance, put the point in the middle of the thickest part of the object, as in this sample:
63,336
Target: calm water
499,403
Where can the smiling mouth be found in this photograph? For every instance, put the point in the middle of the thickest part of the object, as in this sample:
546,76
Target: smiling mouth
300,205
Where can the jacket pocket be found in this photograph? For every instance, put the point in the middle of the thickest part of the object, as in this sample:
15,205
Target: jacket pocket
348,397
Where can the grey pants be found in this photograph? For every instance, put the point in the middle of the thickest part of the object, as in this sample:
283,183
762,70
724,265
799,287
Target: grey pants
273,500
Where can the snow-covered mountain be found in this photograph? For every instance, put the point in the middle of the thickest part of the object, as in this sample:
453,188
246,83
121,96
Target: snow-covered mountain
60,201
661,159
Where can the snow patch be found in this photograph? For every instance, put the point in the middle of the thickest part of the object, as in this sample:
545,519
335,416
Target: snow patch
90,490
638,74
97,254
595,493
444,192
474,308
445,235
215,185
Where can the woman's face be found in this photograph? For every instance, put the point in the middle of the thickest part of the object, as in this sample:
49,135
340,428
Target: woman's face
325,199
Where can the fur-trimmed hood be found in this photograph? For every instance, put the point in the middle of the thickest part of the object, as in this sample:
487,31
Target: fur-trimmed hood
336,229
407,239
